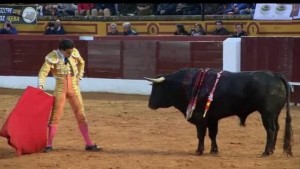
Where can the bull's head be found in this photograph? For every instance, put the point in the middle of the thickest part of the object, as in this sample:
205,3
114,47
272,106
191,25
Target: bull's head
160,97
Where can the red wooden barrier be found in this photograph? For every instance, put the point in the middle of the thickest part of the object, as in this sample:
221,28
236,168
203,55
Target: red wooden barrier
133,57
173,55
139,59
6,56
280,54
25,57
207,54
39,37
105,59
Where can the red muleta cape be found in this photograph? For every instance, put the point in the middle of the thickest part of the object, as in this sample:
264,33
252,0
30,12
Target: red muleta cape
26,125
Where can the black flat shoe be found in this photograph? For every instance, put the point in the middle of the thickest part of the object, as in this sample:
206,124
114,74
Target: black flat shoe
47,149
93,148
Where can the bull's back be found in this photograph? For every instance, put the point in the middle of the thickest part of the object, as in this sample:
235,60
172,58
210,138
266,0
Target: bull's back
245,92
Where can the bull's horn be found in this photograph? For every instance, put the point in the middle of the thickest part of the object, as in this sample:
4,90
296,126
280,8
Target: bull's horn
157,80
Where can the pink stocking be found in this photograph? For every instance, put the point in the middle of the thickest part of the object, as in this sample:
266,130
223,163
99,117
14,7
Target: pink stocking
51,132
85,133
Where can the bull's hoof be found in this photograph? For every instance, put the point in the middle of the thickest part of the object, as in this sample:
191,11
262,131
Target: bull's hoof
214,151
267,153
199,152
289,153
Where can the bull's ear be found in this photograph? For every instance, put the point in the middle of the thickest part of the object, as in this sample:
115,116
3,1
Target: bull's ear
156,80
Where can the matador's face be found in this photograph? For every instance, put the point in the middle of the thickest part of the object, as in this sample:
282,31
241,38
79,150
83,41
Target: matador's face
67,53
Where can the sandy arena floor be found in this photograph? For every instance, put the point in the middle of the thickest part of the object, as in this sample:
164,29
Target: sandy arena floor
133,137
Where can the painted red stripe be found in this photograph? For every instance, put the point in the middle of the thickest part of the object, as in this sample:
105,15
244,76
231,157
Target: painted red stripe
279,23
79,24
294,33
135,24
90,33
138,24
228,23
173,24
30,31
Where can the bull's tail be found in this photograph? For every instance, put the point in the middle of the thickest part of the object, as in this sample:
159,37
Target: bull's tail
288,133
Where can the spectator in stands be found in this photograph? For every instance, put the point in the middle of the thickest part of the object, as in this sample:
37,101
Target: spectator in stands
113,29
58,28
233,9
188,9
249,10
128,30
117,12
50,28
40,9
213,9
65,9
220,30
103,9
166,9
180,30
126,8
8,28
50,9
144,9
198,30
54,28
222,8
84,9
239,30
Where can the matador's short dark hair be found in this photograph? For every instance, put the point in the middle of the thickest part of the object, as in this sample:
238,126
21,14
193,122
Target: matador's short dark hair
66,44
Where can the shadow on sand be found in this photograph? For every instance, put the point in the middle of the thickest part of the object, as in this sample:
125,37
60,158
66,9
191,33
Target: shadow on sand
6,153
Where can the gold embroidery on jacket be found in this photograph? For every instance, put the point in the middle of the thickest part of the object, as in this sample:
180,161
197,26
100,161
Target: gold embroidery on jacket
54,62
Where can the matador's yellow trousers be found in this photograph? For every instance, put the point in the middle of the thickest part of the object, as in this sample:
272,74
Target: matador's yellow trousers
67,88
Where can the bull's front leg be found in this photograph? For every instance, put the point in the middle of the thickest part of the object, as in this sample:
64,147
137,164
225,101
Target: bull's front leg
201,132
213,131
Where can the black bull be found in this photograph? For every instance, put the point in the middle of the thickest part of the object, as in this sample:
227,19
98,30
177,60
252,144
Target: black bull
237,94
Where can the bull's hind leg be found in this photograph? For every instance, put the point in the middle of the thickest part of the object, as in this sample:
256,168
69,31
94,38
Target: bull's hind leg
213,131
270,123
276,132
201,132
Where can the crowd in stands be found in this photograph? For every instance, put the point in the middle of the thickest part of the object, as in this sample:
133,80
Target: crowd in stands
127,30
140,9
198,30
55,28
143,9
